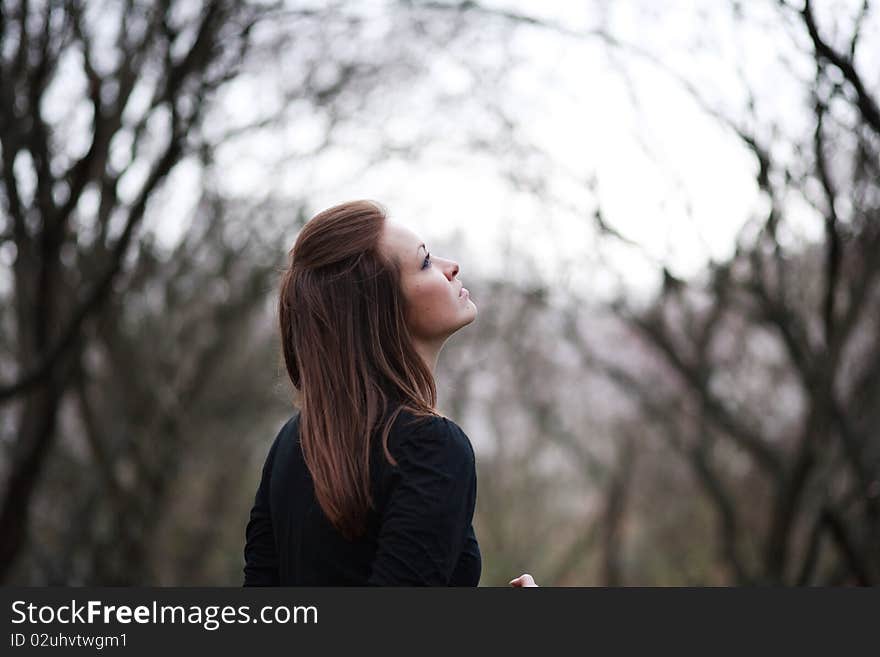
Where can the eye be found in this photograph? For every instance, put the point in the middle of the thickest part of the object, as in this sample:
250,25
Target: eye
427,261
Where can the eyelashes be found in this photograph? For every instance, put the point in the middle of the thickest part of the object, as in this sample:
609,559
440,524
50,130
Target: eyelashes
426,261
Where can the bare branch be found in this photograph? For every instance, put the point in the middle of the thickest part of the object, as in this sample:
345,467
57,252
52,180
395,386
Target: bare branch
865,101
616,497
845,543
832,237
857,29
728,524
764,455
811,556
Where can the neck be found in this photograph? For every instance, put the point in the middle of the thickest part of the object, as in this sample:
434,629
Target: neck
430,352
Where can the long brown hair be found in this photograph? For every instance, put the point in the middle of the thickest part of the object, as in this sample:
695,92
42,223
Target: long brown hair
349,353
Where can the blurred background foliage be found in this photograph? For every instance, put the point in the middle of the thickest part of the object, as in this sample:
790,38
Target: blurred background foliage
723,428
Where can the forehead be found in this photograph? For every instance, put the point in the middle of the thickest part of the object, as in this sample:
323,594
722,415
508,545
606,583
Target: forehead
401,240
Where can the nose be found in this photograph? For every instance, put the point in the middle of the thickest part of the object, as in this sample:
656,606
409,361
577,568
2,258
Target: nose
453,268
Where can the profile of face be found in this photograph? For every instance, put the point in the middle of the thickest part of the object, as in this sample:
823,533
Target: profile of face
438,303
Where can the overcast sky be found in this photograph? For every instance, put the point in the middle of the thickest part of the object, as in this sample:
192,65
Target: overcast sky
667,174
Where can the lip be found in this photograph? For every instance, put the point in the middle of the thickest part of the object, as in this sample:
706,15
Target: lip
463,292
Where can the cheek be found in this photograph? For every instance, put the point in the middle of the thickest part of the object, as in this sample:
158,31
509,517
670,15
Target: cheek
430,302
427,297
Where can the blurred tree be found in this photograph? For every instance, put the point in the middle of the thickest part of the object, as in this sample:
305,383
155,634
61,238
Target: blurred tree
135,376
764,375
102,104
147,83
144,363
768,383
169,391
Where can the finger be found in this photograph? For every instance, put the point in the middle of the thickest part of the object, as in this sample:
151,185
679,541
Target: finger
521,581
526,580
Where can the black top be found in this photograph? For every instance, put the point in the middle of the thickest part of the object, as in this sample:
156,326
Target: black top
420,534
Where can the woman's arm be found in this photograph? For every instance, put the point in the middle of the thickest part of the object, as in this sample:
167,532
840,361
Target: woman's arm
260,552
470,561
429,509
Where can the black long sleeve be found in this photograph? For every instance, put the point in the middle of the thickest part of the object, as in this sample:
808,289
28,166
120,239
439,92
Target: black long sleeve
430,507
419,533
260,552
470,562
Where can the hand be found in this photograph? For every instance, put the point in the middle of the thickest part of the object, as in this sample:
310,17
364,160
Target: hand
523,580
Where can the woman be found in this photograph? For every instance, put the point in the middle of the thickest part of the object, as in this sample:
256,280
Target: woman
367,484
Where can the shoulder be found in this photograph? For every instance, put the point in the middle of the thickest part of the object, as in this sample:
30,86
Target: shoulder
287,436
289,430
433,437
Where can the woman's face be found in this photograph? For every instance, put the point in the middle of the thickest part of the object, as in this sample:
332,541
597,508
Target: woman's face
430,286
